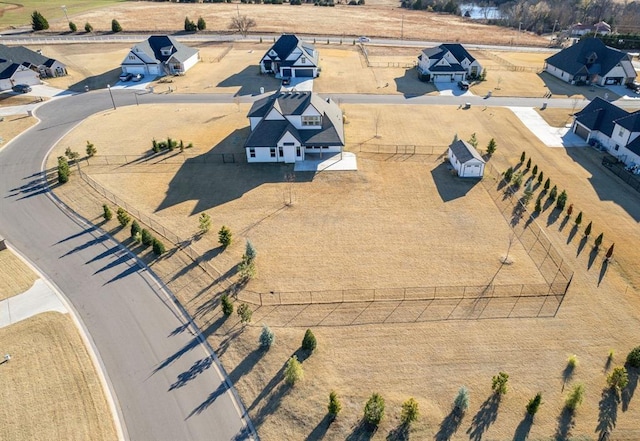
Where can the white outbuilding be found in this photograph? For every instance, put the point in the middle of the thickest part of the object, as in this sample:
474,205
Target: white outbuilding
466,160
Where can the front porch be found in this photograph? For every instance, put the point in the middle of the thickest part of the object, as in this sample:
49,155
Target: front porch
315,162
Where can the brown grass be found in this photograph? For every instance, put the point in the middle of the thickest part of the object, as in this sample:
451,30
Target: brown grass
13,125
15,276
50,390
556,117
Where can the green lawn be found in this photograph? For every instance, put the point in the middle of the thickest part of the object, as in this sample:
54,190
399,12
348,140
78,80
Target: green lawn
19,14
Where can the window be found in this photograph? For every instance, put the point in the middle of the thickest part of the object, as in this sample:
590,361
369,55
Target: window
280,151
621,132
616,147
303,60
252,152
132,57
298,151
312,120
272,152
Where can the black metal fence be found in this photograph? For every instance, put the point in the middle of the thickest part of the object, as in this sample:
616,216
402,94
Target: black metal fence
165,158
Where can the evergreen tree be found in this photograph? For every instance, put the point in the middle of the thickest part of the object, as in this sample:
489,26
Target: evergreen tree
508,174
374,409
461,402
499,383
562,200
227,305
106,212
91,149
293,371
529,164
409,412
135,228
334,406
189,26
547,184
267,337
578,220
473,140
123,217
73,27
587,231
225,236
87,27
204,222
115,26
202,25
309,342
63,170
534,172
540,177
491,147
245,313
598,240
38,22
534,404
523,156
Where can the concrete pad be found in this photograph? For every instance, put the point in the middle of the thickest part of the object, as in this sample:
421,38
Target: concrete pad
299,85
333,162
49,92
38,299
451,89
625,94
550,136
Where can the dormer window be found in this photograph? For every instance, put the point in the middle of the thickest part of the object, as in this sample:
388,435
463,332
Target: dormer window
166,51
592,58
311,120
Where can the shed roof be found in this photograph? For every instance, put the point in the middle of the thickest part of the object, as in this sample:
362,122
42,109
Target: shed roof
464,152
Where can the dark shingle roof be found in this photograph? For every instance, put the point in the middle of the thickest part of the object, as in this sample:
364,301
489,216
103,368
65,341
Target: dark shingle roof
600,115
630,122
634,146
268,132
457,50
464,151
153,48
12,57
287,43
573,59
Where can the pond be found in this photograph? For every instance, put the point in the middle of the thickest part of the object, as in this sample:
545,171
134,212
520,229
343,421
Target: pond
477,12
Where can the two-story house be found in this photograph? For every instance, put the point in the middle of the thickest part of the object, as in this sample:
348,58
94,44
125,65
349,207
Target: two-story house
447,62
289,126
160,55
290,57
613,128
19,65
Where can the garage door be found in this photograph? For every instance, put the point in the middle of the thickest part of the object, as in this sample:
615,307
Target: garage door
304,73
471,171
441,78
582,132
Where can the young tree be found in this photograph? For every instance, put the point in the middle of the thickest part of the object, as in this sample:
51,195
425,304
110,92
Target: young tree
204,222
587,231
38,22
334,406
158,247
473,140
71,154
508,174
554,193
618,378
578,220
562,200
249,251
547,184
570,209
409,412
529,164
609,254
293,371
575,397
224,236
247,269
123,217
461,402
202,25
528,193
135,228
598,240
491,147
147,237
499,383
633,357
374,409
91,149
572,361
73,27
516,180
245,313
242,24
87,27
534,172
267,337
227,305
63,170
106,212
540,177
309,342
115,26
189,26
534,404
523,156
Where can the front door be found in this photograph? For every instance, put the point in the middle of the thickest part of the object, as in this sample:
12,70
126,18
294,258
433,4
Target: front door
289,153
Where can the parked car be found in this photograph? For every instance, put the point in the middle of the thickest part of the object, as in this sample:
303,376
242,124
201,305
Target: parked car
126,76
286,81
364,39
463,85
21,88
138,77
633,86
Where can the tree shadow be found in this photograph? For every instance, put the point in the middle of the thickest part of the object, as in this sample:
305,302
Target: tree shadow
581,245
399,433
485,417
532,218
567,374
213,396
197,368
321,429
363,431
566,421
565,221
553,217
627,392
608,413
523,429
449,426
245,366
592,256
572,233
603,270
548,203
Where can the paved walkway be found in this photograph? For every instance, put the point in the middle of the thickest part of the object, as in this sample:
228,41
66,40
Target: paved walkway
36,300
550,136
335,162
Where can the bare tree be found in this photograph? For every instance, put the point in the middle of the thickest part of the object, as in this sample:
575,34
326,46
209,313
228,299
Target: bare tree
376,122
242,24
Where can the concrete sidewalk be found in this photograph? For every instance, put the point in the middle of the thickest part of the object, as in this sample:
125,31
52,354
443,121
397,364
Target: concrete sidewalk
36,300
550,136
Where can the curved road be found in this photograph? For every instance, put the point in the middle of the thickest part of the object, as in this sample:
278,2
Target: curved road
166,384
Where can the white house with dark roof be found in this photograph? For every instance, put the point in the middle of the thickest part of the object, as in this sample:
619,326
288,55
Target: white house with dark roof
160,55
590,61
579,29
466,160
290,57
291,126
19,65
615,129
447,62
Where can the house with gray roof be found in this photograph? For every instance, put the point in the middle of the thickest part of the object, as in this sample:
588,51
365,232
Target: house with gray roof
615,129
290,57
160,55
19,65
291,126
465,159
590,61
447,63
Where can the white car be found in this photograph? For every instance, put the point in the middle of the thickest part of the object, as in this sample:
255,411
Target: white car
364,39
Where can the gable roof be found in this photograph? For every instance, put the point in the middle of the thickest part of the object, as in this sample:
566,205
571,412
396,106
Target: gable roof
457,50
286,44
12,57
574,59
464,152
154,45
268,132
600,115
631,122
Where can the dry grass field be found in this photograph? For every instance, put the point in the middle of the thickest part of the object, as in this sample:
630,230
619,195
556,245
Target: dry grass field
16,278
428,359
49,388
12,126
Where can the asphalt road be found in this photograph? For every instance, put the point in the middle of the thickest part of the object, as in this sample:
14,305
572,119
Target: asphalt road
167,385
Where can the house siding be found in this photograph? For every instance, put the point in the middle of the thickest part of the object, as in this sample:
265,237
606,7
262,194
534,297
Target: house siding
263,154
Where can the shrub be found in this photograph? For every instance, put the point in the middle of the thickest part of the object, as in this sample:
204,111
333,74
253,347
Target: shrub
309,342
267,337
534,172
598,240
91,149
204,222
461,402
135,228
73,27
409,412
575,397
587,231
374,409
245,313
158,247
227,305
189,26
523,156
334,406
572,361
618,378
540,177
202,25
38,22
508,174
633,358
123,217
293,371
88,27
63,170
147,237
106,212
534,404
554,193
499,383
562,200
115,26
224,236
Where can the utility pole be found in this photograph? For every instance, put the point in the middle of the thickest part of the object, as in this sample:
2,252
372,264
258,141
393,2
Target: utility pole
402,28
64,9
